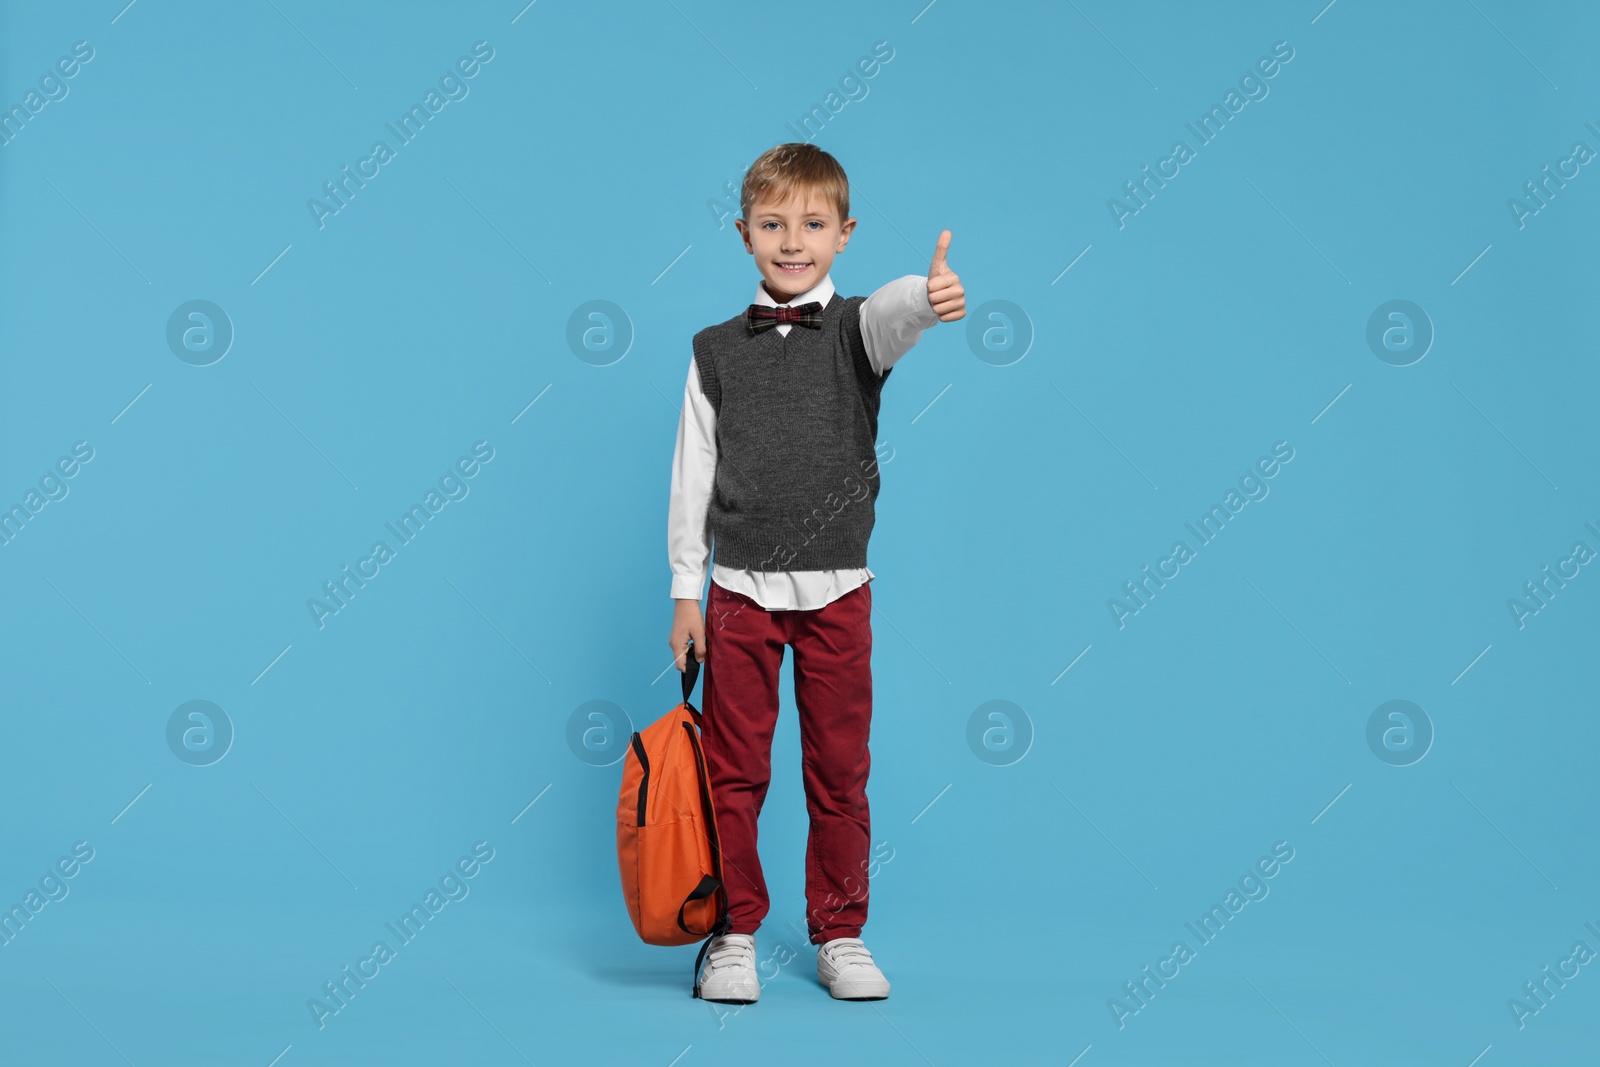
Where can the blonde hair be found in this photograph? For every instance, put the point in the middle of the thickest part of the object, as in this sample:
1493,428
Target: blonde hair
796,167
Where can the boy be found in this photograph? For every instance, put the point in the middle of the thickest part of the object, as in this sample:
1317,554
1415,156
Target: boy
776,461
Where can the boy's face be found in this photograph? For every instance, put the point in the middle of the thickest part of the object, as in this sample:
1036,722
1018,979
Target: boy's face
794,242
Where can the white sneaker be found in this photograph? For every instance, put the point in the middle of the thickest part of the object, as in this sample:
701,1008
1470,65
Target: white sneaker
730,971
845,966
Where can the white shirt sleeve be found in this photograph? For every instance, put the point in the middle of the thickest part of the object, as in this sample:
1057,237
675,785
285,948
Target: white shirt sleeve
694,466
893,318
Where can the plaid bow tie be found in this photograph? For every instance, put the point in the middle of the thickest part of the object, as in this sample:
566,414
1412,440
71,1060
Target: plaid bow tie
761,317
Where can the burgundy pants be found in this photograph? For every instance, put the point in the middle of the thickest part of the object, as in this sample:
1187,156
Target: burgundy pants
833,691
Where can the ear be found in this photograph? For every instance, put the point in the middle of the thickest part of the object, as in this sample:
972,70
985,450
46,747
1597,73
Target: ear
845,231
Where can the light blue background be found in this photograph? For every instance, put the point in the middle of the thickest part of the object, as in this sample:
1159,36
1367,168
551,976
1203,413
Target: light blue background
1227,715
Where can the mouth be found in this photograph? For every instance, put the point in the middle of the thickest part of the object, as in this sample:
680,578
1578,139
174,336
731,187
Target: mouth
793,268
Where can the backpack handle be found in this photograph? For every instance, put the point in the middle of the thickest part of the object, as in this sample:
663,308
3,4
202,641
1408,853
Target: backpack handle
691,671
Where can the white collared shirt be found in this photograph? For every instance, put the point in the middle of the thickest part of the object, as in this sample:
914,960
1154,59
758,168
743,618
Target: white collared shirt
892,319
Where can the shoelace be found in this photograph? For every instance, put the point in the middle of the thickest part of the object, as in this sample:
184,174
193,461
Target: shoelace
850,952
727,952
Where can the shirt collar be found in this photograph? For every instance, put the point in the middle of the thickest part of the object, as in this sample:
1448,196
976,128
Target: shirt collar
822,292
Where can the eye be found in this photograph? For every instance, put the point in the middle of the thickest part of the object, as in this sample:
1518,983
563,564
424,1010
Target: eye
815,223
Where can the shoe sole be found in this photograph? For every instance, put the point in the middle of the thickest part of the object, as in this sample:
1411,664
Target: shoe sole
733,995
852,990
857,995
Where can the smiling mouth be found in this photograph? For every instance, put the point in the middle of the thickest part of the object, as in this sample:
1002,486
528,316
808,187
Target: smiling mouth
794,268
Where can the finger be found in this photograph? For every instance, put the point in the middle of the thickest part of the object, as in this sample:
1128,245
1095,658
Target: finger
938,266
943,281
699,635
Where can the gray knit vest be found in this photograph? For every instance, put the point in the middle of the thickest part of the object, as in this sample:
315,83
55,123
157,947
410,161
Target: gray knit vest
797,421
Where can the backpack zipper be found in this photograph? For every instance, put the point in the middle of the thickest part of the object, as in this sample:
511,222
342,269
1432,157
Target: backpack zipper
644,781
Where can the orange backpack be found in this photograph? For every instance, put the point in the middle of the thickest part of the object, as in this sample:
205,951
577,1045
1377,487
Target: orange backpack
667,846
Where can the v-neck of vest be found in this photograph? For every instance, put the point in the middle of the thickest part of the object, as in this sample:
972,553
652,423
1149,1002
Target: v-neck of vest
770,334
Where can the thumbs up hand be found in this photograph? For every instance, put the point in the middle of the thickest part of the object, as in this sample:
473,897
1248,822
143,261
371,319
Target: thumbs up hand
945,295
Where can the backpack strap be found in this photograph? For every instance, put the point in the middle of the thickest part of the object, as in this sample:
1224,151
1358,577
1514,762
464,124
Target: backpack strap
711,883
708,885
722,927
706,809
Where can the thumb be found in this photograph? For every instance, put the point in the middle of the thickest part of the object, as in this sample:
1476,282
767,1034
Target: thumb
938,264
